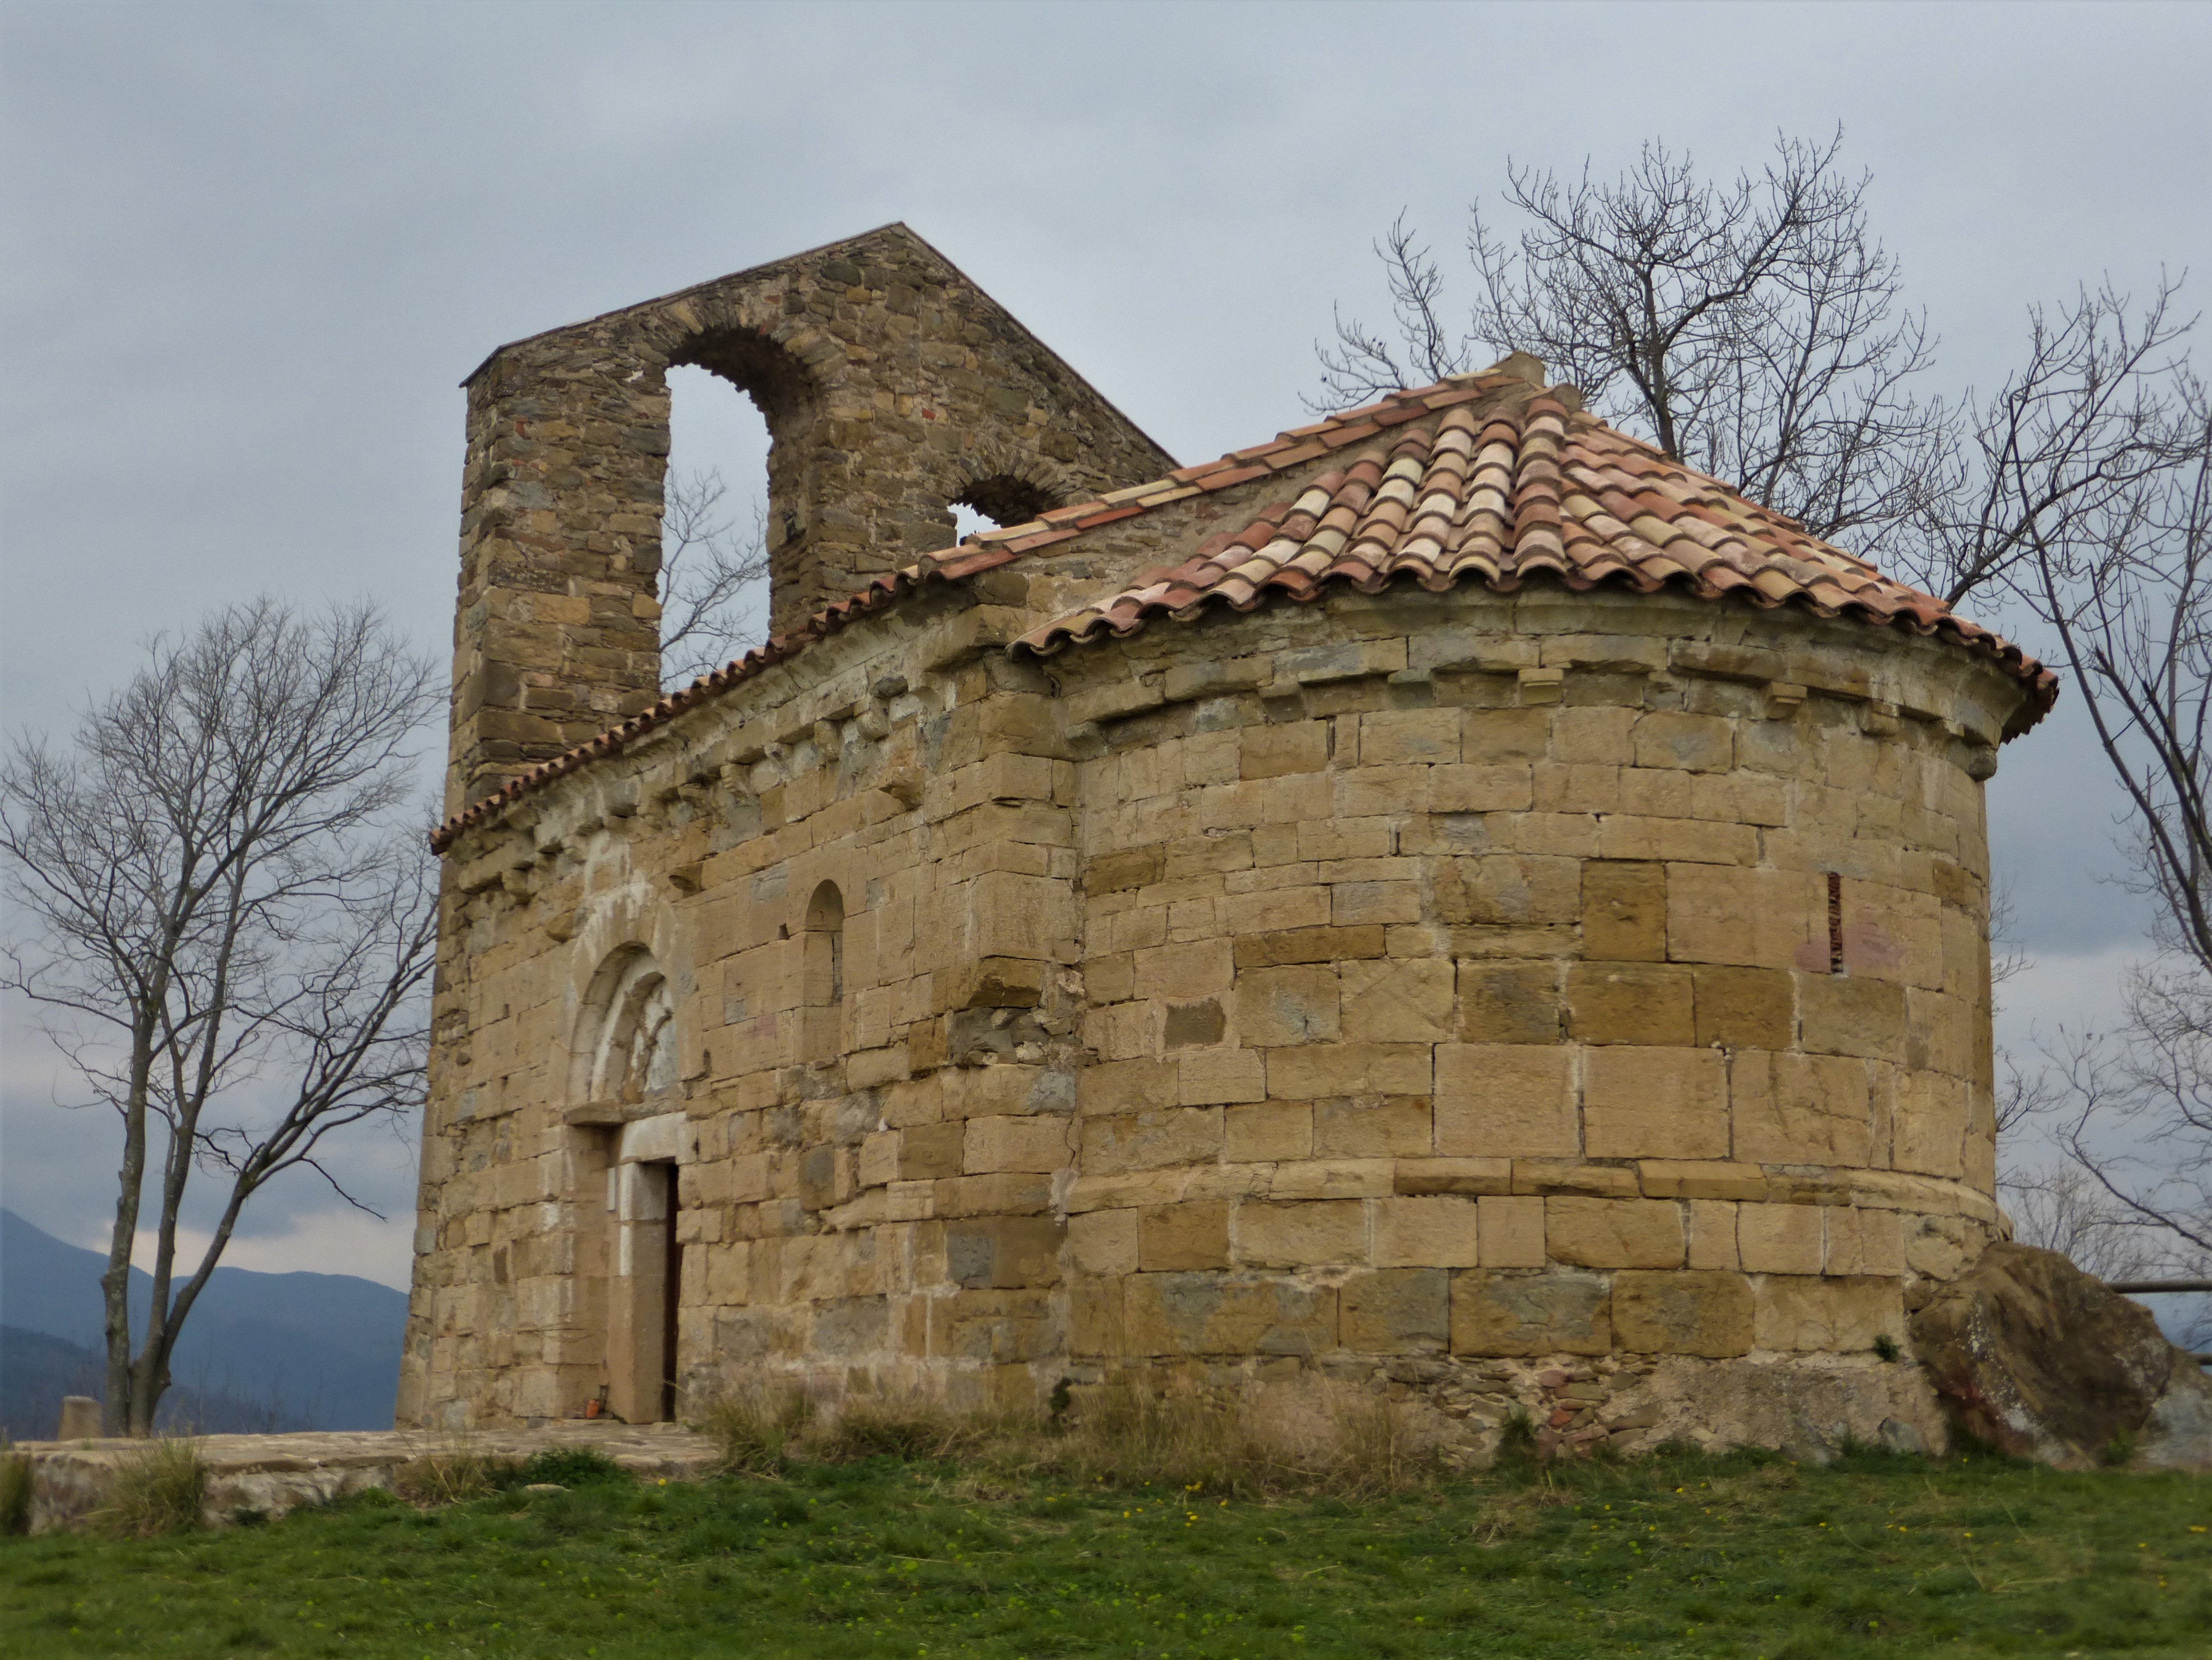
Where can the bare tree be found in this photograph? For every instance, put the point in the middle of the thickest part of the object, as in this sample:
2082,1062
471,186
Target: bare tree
2064,451
2115,518
2066,1209
706,565
1752,329
225,914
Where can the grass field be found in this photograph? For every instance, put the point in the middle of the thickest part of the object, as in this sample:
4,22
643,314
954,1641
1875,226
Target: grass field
1743,1555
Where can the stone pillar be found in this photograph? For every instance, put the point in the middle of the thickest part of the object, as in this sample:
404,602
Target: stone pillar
79,1418
557,634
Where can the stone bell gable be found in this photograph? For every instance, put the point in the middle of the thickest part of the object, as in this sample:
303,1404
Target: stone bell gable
892,388
1446,899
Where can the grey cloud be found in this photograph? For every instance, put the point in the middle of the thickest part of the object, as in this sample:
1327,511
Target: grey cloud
252,250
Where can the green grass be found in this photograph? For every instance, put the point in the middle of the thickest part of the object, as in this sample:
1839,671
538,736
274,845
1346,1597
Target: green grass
1674,1555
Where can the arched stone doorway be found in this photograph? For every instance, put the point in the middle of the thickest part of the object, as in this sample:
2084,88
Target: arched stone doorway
622,1083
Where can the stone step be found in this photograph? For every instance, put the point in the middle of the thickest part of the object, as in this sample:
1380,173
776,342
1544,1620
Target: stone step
270,1475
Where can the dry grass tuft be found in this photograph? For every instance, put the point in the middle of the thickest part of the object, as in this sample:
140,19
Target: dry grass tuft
452,1475
1327,1438
759,1425
159,1488
14,1492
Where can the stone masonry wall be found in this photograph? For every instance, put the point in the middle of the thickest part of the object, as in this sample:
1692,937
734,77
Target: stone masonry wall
1522,999
891,387
867,1194
1573,1001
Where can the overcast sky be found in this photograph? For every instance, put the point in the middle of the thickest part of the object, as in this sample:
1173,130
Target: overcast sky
251,252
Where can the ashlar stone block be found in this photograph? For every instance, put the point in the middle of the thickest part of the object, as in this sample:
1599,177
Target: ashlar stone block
1800,1109
1644,1003
1509,1002
1267,1131
1838,1014
1097,1326
1929,1130
1038,1142
1506,787
1505,1100
1467,1178
1185,973
1398,1001
1672,1178
1494,735
1655,1104
1833,1315
1226,1314
1396,1311
1334,1178
1559,1312
1779,1239
1103,1242
1429,736
1695,743
1150,1141
1323,1069
1273,751
1614,1233
1623,910
1712,1235
1187,1235
1862,1243
1744,1008
1510,1231
1682,1312
1291,1005
1442,1232
1395,1127
1300,1232
1509,888
1771,919
1209,1077
1005,1252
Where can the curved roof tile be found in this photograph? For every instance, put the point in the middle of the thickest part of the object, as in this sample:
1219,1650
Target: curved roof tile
1494,495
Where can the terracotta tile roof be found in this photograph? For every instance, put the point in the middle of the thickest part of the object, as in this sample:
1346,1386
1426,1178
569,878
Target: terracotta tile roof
1494,493
1483,476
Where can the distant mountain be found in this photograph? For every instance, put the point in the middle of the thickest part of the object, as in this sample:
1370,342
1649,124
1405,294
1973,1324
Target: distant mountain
37,1371
260,1351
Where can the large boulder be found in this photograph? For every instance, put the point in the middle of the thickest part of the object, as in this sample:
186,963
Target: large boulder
2034,1355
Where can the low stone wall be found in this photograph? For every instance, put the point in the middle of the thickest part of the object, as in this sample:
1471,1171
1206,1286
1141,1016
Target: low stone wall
270,1475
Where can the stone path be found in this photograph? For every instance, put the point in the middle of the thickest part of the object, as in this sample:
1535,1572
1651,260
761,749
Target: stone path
274,1474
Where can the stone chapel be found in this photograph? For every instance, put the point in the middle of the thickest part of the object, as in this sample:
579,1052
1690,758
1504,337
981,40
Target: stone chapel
1446,899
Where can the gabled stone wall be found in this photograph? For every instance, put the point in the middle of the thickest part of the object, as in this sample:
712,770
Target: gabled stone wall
892,388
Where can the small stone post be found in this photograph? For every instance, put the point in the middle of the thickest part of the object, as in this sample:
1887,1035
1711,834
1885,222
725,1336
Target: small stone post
79,1418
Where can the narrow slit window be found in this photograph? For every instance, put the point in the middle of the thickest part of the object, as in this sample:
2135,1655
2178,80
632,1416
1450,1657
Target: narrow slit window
825,947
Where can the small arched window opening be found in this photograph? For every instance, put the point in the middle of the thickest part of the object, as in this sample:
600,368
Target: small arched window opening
994,502
825,947
823,971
